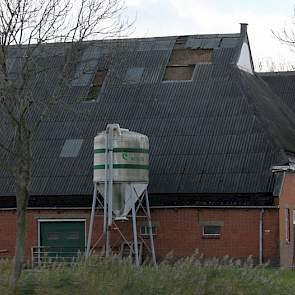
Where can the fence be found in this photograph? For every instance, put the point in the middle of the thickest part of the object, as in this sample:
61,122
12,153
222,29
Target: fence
46,256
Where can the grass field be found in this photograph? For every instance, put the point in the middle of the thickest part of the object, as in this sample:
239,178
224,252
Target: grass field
184,277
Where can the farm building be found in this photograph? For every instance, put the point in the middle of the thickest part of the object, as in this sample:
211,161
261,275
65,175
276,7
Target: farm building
222,146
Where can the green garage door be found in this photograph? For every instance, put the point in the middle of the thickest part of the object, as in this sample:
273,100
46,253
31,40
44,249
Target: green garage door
62,239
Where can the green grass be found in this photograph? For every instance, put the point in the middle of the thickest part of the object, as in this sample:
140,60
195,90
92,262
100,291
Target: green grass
183,277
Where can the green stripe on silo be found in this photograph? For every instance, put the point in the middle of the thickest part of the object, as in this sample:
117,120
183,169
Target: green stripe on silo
99,151
97,167
123,166
122,150
130,166
131,150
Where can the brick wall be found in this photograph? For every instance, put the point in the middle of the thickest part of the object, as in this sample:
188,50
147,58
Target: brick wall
178,230
287,205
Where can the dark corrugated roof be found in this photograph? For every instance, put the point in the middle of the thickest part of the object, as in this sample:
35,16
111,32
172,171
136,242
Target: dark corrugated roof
208,135
283,84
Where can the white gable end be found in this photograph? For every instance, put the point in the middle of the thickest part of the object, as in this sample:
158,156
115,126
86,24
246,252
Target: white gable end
244,61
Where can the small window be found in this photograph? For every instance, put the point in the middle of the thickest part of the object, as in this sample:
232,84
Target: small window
71,148
96,85
133,75
144,231
211,231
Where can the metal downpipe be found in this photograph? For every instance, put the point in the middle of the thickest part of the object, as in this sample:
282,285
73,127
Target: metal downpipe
261,236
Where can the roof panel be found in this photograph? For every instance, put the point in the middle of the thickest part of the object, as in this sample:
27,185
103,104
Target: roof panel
228,42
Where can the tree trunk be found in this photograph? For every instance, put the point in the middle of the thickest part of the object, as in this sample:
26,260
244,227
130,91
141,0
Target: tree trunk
21,225
23,176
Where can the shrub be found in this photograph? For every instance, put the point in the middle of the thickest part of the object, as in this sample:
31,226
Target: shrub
112,276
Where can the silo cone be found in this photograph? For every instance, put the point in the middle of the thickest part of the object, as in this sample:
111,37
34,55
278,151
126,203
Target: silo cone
124,195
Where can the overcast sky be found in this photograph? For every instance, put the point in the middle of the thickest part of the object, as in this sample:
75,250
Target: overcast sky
183,17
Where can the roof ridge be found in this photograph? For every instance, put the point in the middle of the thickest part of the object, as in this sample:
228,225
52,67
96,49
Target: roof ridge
151,38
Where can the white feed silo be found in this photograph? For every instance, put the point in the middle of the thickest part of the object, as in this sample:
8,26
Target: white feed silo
128,153
121,176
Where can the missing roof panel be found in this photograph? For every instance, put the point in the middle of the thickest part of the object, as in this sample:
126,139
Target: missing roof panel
189,56
71,148
183,60
96,85
179,73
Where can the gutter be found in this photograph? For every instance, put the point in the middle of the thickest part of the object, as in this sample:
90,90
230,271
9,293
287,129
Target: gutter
217,207
152,207
284,168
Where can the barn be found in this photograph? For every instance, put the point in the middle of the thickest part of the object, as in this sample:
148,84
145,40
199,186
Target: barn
222,146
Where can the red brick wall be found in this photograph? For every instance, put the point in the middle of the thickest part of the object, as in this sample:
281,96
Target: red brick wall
287,201
178,230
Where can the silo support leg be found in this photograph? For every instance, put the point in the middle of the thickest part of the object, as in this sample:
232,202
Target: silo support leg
108,246
91,222
135,235
150,228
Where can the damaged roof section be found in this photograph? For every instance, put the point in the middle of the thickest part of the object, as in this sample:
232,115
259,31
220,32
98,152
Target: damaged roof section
212,42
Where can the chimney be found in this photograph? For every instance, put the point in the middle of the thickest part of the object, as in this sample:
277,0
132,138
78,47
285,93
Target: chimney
243,29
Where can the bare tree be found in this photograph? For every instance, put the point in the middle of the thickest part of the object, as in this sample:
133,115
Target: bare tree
272,65
285,36
26,29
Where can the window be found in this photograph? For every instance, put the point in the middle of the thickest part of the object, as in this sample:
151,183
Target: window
71,148
211,228
96,85
287,224
211,231
144,231
133,75
183,60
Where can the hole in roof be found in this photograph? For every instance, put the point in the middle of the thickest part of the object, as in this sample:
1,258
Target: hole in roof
71,148
179,73
84,73
96,85
133,75
183,60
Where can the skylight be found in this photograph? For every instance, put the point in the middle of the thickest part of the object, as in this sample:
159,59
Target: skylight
71,148
133,75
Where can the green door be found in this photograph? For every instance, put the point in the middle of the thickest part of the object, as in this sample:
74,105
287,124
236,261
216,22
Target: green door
62,239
